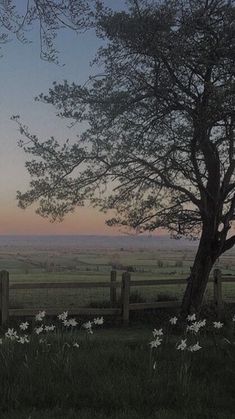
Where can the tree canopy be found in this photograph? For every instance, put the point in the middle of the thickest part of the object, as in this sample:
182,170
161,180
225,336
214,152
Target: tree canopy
159,142
18,18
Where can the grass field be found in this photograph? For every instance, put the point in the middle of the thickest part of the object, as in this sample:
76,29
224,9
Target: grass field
77,264
114,374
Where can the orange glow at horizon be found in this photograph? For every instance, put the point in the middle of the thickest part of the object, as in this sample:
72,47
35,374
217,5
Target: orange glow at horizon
82,221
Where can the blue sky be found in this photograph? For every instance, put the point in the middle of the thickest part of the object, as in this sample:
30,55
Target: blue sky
23,76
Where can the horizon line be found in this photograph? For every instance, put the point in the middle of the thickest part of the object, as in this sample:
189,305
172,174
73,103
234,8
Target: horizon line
84,235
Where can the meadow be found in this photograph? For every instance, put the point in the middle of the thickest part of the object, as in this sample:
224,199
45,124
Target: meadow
76,263
116,372
163,370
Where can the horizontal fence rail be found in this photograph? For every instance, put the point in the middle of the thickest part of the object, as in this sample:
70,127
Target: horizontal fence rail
48,285
126,306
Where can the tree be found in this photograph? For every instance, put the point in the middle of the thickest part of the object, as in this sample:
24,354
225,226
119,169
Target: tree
159,147
18,18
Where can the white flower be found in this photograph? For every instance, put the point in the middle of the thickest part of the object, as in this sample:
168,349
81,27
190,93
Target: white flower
49,328
233,319
157,332
23,339
87,325
218,325
11,334
39,317
63,316
99,320
38,330
76,345
191,317
173,320
42,340
194,348
70,322
156,342
202,323
196,326
24,326
73,322
182,346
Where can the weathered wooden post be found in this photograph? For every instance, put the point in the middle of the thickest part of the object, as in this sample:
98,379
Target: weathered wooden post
126,278
113,294
4,296
218,292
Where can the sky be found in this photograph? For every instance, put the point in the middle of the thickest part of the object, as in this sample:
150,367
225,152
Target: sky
23,76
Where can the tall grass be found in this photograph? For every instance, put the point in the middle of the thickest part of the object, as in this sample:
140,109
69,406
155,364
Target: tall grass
115,378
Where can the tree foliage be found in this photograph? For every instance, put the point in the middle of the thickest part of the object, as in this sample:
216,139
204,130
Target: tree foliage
159,147
18,18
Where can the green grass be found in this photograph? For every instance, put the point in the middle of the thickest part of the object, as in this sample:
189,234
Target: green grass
128,414
111,376
36,265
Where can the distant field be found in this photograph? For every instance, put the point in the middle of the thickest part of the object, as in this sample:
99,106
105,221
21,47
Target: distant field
75,264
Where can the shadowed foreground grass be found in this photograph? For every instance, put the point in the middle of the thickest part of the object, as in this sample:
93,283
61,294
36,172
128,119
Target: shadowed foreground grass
114,378
127,414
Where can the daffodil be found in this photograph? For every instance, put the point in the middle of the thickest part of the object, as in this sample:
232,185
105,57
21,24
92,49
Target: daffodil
202,323
98,320
40,316
63,316
182,346
196,326
70,322
218,325
11,334
23,339
158,332
73,322
191,317
24,326
194,348
38,330
173,320
87,325
156,342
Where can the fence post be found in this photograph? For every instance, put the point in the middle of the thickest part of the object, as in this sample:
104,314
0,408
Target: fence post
113,295
218,292
126,277
4,296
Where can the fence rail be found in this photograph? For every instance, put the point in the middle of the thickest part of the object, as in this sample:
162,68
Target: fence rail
125,305
48,285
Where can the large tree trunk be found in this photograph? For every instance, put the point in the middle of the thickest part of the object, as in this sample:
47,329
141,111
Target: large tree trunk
197,282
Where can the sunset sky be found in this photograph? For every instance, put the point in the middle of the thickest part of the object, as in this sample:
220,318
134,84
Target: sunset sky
23,76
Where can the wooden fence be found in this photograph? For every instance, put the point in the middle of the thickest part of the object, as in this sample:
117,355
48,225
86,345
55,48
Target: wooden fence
125,306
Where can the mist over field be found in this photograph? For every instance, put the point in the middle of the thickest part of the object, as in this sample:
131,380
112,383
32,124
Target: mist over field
95,242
